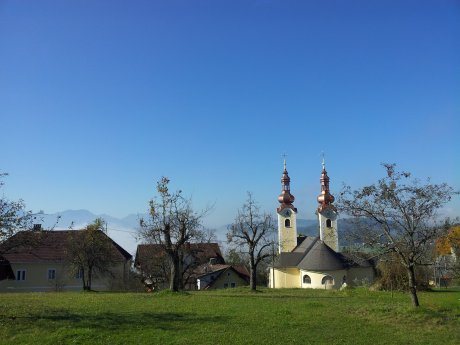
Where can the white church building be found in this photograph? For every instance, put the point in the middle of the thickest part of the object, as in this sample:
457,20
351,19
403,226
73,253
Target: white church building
313,262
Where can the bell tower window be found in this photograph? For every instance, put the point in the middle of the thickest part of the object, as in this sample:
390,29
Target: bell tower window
328,223
287,223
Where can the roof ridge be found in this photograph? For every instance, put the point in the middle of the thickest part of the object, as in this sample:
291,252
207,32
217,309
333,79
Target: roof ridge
309,248
219,273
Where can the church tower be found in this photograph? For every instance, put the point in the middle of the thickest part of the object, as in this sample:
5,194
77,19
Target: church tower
327,214
287,213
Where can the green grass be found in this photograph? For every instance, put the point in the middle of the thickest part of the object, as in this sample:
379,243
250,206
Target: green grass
233,316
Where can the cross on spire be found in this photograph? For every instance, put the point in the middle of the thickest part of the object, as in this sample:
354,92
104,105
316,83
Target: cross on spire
324,164
284,155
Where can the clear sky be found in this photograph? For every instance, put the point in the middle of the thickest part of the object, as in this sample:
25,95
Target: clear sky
99,99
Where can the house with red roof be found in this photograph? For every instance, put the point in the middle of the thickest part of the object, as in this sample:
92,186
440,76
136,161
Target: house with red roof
37,260
211,276
203,267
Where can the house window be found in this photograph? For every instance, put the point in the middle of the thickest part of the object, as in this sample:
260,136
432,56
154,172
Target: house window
327,280
21,275
233,285
79,274
225,285
306,279
287,223
328,223
51,274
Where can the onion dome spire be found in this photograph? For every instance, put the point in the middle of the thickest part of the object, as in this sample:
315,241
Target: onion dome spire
325,199
286,198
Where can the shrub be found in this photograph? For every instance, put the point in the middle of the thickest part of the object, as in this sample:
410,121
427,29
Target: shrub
392,275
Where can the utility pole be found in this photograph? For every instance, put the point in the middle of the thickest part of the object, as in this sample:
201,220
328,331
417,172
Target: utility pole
273,264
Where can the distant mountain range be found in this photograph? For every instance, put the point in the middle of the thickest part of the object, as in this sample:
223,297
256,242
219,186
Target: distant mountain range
80,218
125,230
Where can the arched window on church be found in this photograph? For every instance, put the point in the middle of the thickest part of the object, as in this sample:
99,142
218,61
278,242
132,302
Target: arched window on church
327,280
306,279
328,223
287,223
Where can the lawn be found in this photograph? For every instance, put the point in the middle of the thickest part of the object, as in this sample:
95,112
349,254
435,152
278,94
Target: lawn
233,316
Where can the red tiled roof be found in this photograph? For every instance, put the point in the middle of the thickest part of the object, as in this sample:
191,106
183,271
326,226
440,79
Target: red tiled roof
44,246
201,251
242,270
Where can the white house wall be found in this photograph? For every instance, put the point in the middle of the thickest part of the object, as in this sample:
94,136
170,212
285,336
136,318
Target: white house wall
37,278
293,277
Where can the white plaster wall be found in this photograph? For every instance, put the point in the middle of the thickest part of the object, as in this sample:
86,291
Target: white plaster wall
328,235
287,236
293,278
316,278
37,278
285,278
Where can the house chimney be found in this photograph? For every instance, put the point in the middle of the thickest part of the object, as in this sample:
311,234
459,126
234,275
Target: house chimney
37,227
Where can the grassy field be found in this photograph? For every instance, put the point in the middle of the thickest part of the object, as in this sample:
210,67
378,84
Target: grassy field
233,316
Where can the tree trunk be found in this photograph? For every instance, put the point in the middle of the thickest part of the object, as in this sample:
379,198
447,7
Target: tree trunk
83,280
181,272
412,285
90,278
176,276
253,281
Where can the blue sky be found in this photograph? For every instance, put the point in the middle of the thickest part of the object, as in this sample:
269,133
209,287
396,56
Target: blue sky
99,99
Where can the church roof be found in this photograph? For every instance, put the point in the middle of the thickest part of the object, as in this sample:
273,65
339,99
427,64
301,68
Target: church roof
314,255
320,257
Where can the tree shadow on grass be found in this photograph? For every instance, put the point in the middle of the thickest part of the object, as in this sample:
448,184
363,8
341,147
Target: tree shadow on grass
55,318
449,290
278,296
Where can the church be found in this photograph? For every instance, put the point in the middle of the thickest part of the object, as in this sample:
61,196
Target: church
313,262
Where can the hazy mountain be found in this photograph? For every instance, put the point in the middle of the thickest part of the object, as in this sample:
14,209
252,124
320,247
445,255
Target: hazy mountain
311,228
124,231
307,227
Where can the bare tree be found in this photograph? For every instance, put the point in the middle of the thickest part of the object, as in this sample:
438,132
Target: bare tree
172,223
13,215
398,214
253,231
208,236
90,251
234,256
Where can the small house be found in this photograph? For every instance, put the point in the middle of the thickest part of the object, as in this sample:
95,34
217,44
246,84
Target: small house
37,261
